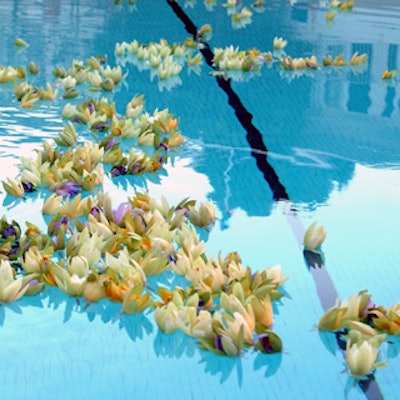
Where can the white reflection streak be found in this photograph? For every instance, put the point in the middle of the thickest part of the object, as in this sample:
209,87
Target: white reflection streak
294,220
314,155
227,179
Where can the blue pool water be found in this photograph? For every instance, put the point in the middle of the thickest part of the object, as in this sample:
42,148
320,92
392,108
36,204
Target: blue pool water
332,138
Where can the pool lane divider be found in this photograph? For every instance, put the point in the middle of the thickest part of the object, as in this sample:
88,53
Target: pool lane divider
325,288
253,136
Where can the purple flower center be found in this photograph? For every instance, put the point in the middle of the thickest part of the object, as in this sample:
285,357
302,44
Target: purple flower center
219,344
265,342
69,189
100,127
13,251
28,187
77,120
62,221
121,211
91,108
135,169
8,231
163,146
118,170
368,307
55,240
110,143
95,211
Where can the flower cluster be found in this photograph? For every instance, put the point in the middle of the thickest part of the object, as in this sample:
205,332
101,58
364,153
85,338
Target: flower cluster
11,74
95,72
364,326
66,173
164,60
10,234
336,6
230,60
240,15
226,307
130,2
110,253
94,251
80,167
28,95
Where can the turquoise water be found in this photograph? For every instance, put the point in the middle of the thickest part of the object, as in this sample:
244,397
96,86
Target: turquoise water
332,137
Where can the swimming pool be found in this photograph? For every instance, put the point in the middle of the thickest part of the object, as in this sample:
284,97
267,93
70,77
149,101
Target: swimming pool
274,150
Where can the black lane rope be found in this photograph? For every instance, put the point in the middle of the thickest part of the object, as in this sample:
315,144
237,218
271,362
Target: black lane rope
325,288
254,137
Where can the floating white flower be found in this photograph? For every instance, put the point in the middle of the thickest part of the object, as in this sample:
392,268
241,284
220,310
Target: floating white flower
11,289
314,237
279,43
362,358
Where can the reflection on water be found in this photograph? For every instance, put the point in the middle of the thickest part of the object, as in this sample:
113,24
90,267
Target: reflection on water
138,328
327,112
326,131
316,128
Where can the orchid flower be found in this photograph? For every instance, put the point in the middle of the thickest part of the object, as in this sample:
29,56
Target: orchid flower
48,92
262,309
78,265
20,42
8,230
267,341
389,74
314,237
387,320
213,336
11,289
85,245
124,267
73,285
362,358
356,308
107,84
346,5
68,136
166,317
135,302
69,82
123,210
204,215
72,208
205,32
358,59
94,289
339,62
279,43
14,187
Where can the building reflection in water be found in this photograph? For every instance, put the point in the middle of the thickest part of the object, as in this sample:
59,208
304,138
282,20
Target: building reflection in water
316,128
